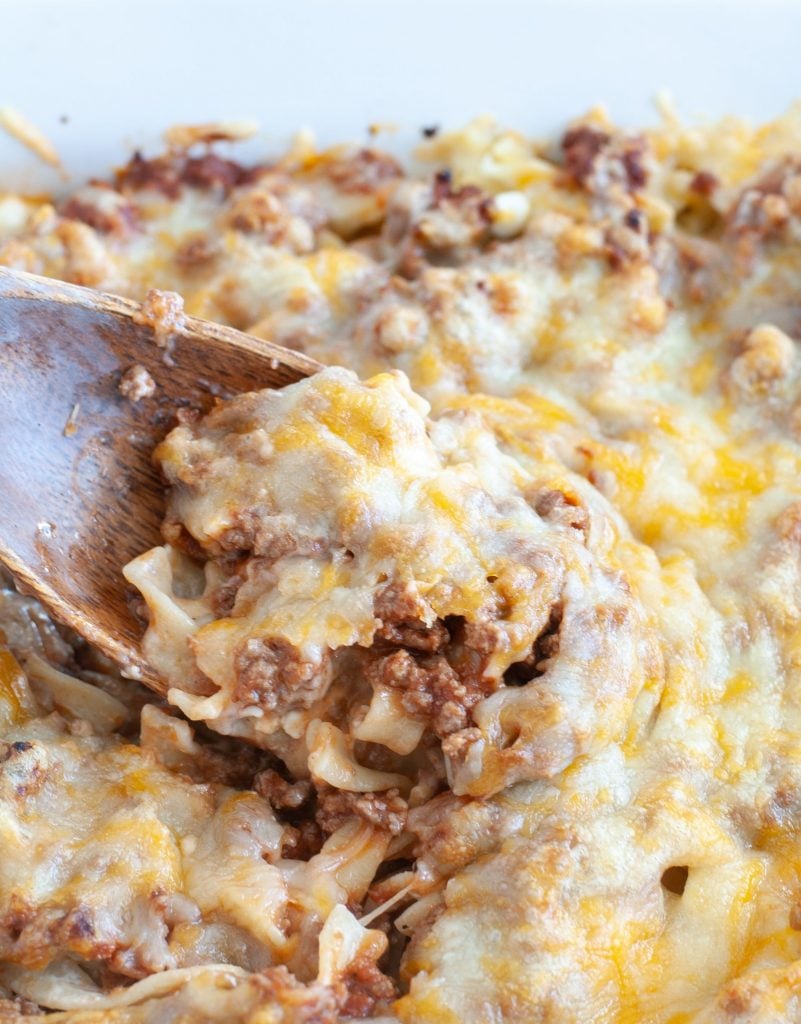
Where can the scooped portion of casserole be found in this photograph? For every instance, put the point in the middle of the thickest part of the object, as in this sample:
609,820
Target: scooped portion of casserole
375,576
484,653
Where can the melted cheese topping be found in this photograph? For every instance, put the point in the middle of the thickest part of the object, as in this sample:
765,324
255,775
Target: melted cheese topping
131,856
369,501
530,614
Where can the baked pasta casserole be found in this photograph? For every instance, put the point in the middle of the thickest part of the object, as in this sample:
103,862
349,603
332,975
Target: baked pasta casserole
484,653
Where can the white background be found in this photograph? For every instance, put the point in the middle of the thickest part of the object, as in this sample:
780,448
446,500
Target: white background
120,71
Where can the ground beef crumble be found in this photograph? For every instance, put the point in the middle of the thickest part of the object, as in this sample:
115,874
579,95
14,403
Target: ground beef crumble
169,173
272,674
366,985
430,688
594,159
281,794
559,508
363,171
336,807
399,608
103,209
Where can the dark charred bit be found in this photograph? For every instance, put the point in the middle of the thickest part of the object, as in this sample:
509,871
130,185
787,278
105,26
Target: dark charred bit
429,131
634,219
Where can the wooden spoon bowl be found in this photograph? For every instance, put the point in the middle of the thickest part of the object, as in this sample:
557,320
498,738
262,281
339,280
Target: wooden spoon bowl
79,495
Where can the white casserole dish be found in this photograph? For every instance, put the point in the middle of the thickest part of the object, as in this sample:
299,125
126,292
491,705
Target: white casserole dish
101,79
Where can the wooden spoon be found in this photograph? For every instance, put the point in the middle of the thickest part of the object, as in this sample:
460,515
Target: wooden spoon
79,495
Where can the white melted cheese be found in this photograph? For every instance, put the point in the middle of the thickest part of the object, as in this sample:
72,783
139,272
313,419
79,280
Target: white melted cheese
634,344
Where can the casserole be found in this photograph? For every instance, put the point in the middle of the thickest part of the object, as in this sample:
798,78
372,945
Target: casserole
515,657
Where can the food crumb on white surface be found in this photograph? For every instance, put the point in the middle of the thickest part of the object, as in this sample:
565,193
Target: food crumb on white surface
18,126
